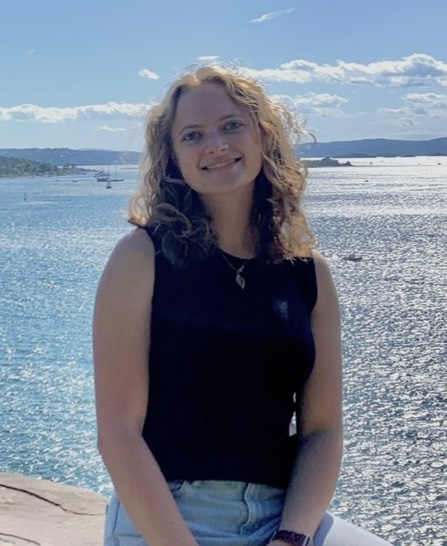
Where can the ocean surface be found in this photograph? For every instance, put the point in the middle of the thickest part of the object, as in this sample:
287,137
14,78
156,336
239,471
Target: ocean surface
56,235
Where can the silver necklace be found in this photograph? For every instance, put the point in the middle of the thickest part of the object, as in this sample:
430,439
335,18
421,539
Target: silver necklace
239,279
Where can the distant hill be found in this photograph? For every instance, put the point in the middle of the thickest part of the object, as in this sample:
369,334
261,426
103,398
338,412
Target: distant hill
378,147
12,167
68,157
353,148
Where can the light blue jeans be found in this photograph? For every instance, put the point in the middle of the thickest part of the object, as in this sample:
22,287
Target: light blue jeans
226,513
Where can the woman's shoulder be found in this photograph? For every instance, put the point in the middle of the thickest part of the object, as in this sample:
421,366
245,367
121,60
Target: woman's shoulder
137,244
131,263
322,267
324,280
319,260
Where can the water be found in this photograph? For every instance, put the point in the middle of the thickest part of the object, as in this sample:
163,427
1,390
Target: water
393,213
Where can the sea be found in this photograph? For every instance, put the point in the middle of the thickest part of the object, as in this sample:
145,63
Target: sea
390,213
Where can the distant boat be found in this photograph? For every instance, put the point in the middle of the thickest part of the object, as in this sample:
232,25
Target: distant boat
352,258
103,176
109,184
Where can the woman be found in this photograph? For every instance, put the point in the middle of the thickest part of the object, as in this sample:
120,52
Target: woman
216,321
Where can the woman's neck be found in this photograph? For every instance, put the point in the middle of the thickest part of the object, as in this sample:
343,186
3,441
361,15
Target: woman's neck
231,225
237,242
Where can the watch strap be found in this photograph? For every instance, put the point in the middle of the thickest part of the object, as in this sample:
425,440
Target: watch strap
292,538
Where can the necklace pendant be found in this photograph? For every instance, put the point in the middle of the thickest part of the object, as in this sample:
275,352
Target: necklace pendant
240,280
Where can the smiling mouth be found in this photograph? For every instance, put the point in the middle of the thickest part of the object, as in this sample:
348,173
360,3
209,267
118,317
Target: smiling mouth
221,165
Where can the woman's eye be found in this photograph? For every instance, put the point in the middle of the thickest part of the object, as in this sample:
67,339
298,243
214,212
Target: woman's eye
194,135
233,125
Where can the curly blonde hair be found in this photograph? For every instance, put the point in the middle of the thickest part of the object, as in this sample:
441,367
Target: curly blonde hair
165,202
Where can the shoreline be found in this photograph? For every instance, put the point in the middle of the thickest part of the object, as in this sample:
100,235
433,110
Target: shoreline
46,513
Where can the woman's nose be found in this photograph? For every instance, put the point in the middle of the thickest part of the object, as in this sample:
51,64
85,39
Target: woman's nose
215,143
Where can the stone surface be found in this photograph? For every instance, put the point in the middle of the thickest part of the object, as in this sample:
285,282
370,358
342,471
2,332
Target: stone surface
44,513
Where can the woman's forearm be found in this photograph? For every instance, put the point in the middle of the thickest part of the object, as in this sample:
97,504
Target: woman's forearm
313,481
143,491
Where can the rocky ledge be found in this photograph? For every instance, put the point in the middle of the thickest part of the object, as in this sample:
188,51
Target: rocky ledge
43,513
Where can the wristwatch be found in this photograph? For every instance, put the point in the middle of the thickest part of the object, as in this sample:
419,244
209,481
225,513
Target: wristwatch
292,538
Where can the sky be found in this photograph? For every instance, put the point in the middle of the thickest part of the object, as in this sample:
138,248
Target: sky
83,74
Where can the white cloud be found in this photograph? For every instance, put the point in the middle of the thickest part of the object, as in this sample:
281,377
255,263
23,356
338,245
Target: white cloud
109,129
315,104
433,100
271,15
206,58
413,71
417,108
148,74
420,114
52,114
30,52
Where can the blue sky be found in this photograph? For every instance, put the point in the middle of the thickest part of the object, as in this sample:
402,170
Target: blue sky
82,74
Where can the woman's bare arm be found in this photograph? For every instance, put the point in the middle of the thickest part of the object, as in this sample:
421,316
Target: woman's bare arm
121,332
317,466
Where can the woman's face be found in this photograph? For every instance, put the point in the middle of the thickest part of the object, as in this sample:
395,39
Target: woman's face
216,145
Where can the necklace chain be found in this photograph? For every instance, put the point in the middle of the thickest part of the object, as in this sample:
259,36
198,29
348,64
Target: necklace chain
239,279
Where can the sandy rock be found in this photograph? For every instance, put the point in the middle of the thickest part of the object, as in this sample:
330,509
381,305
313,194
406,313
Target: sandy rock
43,513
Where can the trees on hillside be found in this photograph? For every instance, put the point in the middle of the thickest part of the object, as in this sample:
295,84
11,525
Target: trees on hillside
12,166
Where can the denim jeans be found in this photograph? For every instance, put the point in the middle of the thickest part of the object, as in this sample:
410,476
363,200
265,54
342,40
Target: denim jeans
227,513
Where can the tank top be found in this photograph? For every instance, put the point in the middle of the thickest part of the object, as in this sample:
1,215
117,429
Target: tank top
227,367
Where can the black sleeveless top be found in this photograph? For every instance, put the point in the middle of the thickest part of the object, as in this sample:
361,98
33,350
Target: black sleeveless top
227,367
